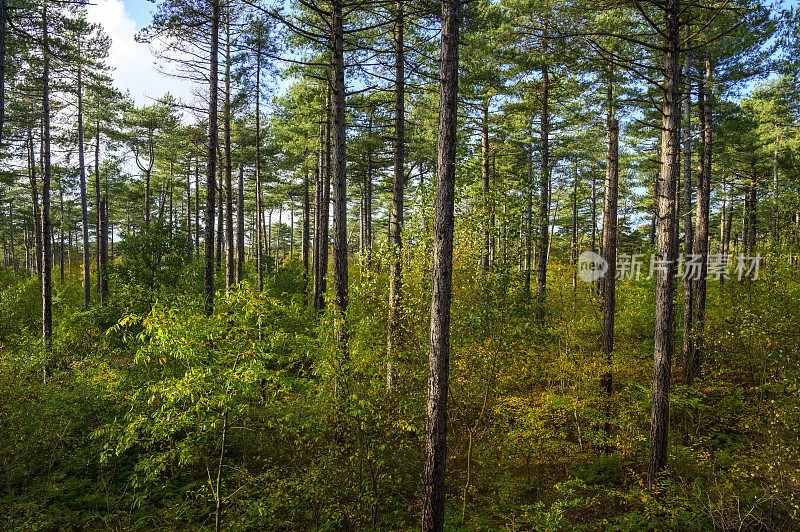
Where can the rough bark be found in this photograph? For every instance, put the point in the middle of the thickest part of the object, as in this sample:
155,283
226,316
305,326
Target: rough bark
47,257
544,181
439,354
396,220
87,280
528,221
3,15
35,204
230,267
259,205
339,178
666,246
487,244
211,168
306,233
687,211
240,214
610,256
103,240
700,244
318,220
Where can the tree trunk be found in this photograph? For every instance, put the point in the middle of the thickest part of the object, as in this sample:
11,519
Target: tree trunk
211,169
544,183
259,204
306,230
240,226
47,257
87,280
396,220
700,244
726,235
220,208
752,216
102,237
666,247
528,221
97,196
35,203
439,355
196,204
322,272
688,295
230,271
610,256
61,231
573,243
3,15
11,231
487,245
775,190
278,238
319,194
368,200
189,204
338,169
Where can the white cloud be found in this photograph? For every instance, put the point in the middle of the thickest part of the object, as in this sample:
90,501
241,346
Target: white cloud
133,63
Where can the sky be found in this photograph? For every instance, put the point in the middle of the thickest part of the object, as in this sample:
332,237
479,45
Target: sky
133,63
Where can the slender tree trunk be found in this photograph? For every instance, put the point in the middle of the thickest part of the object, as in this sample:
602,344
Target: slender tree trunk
752,216
726,235
240,226
487,245
393,339
338,169
324,209
439,356
259,204
610,256
61,230
230,277
3,15
220,207
319,194
103,238
197,204
666,246
528,221
573,244
688,343
306,233
87,280
97,196
700,244
147,181
189,204
291,228
368,200
278,238
544,183
11,231
47,257
211,169
775,190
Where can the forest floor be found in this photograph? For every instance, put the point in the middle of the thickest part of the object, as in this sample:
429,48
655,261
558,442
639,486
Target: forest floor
148,403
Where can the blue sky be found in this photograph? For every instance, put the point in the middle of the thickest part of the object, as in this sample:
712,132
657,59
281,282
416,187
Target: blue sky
133,63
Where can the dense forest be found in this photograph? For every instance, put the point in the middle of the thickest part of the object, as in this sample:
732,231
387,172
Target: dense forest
485,265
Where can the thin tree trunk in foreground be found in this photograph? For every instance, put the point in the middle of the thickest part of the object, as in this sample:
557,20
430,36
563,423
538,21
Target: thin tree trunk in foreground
439,355
339,178
666,248
47,257
610,256
396,220
211,169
